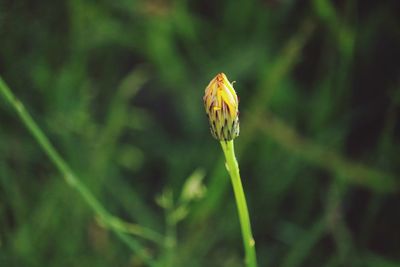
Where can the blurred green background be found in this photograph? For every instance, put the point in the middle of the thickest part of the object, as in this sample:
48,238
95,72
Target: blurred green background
117,87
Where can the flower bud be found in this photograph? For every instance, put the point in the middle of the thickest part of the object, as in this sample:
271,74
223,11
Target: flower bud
221,105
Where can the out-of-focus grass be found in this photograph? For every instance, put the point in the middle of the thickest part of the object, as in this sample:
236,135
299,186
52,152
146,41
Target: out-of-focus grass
117,87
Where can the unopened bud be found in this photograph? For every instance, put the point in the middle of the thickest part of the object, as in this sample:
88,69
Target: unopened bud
222,108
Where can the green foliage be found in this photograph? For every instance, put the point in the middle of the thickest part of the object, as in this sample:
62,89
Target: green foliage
117,86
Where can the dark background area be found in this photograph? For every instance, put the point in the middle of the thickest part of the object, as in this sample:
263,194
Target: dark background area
117,87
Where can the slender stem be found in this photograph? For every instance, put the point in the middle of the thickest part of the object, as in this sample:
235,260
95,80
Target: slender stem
171,239
71,178
170,231
134,229
233,169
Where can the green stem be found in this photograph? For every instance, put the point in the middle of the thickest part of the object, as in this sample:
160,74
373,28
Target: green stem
70,176
170,231
233,169
170,239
